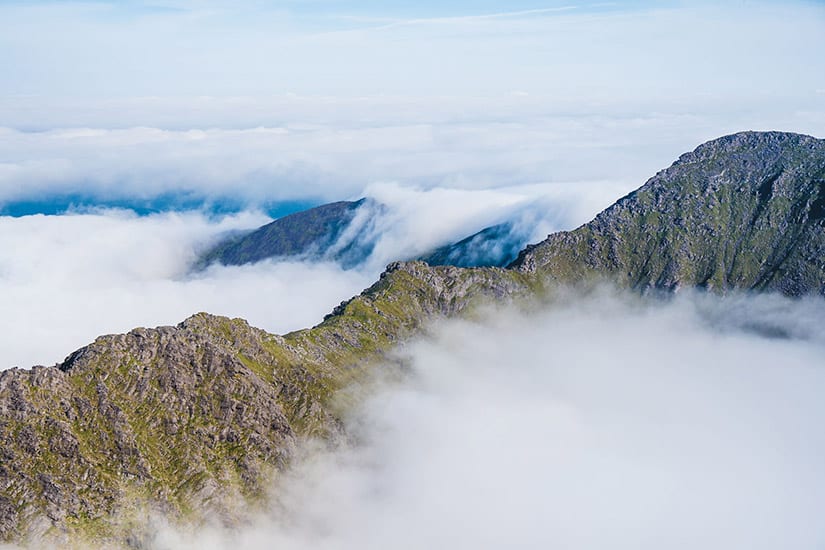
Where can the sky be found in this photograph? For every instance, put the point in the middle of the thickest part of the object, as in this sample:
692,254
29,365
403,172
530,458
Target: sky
251,104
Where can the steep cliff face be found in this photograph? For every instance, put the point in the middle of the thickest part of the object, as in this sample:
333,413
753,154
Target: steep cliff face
743,211
188,418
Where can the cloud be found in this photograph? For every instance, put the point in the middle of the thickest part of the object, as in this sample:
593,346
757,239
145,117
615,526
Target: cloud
600,422
64,280
510,145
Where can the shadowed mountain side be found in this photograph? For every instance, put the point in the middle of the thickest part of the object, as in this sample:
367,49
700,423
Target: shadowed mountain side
315,232
743,211
494,246
189,417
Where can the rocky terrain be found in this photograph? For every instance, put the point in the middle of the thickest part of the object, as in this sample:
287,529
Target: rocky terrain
744,211
192,418
195,417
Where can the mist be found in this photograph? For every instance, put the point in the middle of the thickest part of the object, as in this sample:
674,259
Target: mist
66,279
603,421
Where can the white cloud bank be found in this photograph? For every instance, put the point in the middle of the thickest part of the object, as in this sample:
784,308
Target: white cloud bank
600,423
491,143
249,102
65,280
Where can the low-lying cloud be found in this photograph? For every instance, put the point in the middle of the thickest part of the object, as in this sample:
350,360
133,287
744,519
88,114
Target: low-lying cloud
600,422
501,143
65,280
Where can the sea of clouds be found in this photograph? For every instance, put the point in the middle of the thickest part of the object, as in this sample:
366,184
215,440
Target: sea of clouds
600,421
66,279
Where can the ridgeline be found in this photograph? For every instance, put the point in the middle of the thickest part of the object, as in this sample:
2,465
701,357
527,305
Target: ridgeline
191,418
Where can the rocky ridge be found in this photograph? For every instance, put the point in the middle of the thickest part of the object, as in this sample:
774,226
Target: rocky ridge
195,416
190,417
743,211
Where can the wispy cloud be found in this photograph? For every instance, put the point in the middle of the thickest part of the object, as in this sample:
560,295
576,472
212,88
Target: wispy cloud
389,23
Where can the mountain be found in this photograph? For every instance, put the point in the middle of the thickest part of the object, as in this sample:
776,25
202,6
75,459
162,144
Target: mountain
494,246
187,419
743,211
318,232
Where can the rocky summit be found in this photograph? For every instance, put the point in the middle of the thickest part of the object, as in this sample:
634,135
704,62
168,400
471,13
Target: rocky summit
193,418
743,211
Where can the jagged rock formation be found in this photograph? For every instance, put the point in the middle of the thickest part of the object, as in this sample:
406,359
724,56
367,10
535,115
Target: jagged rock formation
742,211
187,417
316,232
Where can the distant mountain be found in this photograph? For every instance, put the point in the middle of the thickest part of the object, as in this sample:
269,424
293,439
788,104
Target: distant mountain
318,232
335,232
194,419
743,211
494,246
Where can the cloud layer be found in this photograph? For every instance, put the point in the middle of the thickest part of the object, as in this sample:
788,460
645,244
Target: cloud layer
66,279
602,422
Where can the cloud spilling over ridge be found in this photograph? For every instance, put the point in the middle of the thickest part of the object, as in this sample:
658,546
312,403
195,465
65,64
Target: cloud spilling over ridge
65,280
407,222
602,422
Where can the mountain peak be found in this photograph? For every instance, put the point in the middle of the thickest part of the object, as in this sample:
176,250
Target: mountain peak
744,210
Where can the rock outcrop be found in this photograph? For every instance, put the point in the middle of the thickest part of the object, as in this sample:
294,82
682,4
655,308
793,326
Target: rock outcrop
190,418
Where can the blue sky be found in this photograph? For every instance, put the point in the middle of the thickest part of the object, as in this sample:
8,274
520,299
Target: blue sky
331,47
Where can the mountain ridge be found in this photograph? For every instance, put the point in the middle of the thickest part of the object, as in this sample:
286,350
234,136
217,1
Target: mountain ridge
188,416
769,238
313,232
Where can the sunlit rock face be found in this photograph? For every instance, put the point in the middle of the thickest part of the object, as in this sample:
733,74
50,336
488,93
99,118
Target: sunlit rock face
742,211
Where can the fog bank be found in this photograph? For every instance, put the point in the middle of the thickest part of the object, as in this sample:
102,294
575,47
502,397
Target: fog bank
603,422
